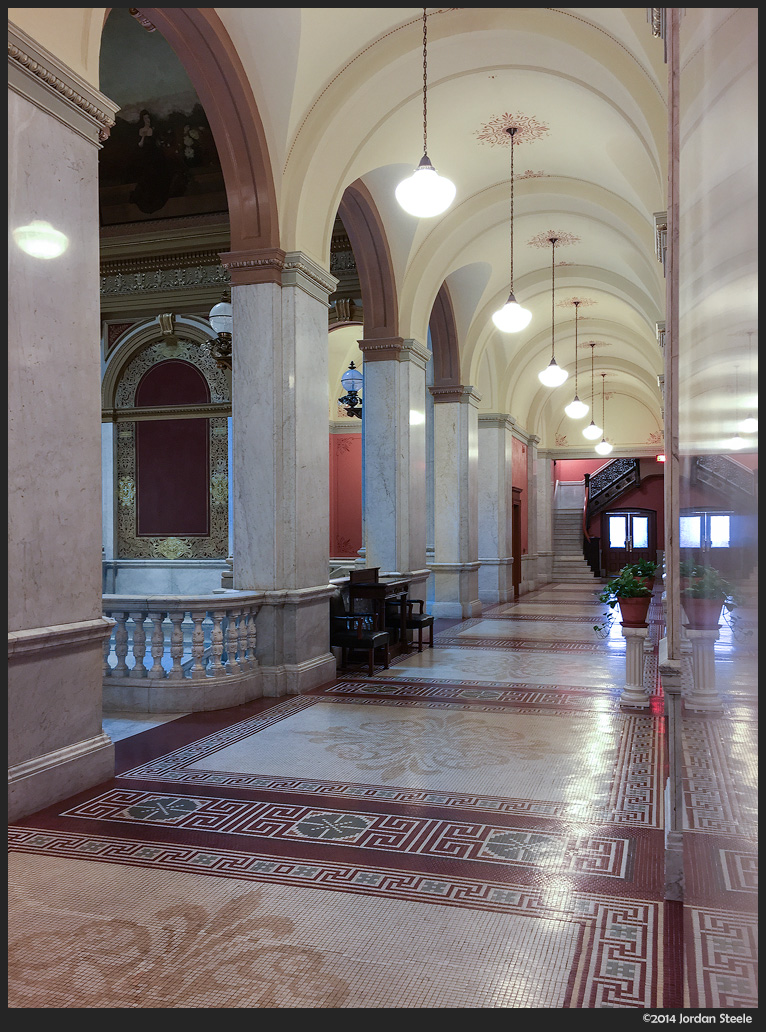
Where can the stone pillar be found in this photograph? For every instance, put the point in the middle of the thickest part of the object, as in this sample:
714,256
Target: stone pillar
394,461
634,693
702,696
56,631
456,508
529,576
281,461
544,519
495,507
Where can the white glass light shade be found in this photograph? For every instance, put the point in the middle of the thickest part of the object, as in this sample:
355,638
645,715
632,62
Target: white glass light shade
576,409
603,447
425,193
749,425
591,431
553,375
40,240
737,442
220,317
352,380
511,317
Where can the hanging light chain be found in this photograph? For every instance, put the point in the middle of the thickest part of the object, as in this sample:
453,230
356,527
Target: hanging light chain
603,404
425,84
577,308
511,132
553,294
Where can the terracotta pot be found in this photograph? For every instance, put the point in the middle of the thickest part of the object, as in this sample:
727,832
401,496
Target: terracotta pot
634,610
702,613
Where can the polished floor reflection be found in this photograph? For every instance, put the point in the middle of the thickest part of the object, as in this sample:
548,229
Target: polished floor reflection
481,825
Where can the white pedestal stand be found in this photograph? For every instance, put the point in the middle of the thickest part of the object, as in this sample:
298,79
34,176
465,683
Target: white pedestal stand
634,694
703,696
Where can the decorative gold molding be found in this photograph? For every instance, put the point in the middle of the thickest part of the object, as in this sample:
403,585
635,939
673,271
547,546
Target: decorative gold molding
180,260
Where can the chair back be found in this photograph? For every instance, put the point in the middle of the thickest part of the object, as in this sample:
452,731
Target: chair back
368,576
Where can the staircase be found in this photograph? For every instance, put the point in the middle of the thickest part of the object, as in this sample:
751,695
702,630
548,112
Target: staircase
569,564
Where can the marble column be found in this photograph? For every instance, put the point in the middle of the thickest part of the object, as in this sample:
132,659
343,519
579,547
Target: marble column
56,631
495,508
634,694
456,502
394,461
280,451
544,521
529,572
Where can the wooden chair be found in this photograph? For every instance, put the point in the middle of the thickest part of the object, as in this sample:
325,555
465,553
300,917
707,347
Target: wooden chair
359,631
414,620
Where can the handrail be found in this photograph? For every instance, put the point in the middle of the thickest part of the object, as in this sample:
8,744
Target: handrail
586,535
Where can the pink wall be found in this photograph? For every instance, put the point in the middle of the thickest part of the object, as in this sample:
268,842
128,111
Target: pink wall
750,460
572,470
519,479
345,495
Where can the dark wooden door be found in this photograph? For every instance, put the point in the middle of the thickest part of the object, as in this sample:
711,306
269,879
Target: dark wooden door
628,537
516,541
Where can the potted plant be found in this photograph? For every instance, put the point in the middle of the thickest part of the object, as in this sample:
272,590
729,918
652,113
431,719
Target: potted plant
704,596
645,568
630,592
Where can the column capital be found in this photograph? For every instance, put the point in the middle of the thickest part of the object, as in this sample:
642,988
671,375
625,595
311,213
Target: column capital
463,395
496,420
381,349
34,73
262,265
302,271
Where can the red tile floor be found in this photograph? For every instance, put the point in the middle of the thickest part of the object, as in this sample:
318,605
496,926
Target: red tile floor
480,826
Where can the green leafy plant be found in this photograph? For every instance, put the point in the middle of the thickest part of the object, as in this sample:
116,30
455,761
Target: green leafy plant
627,584
642,568
707,582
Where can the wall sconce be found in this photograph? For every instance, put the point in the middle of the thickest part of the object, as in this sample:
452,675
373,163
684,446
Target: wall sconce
221,320
352,381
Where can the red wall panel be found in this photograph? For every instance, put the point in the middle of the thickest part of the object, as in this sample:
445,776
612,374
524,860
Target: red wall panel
345,495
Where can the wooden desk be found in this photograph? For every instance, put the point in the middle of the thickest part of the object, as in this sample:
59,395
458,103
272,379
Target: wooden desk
381,591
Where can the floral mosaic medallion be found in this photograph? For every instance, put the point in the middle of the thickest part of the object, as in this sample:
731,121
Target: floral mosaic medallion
427,745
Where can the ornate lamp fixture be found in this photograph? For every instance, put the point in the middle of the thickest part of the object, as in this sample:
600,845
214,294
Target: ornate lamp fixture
511,317
221,320
591,431
425,193
576,409
603,447
553,375
352,381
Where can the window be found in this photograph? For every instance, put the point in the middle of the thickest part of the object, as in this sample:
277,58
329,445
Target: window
705,530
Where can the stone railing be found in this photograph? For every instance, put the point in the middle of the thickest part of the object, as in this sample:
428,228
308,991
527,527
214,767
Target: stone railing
202,649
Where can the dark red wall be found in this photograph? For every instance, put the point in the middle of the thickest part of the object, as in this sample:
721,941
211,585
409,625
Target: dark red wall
172,455
345,495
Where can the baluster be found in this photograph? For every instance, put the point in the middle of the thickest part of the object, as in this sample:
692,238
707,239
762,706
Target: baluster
251,638
215,666
107,671
120,644
244,655
158,644
232,666
139,644
176,644
198,646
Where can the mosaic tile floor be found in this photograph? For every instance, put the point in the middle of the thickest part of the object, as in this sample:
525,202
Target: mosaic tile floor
479,826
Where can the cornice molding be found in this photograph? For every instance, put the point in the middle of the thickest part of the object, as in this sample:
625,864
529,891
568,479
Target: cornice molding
171,412
462,395
181,260
264,265
34,73
301,271
496,421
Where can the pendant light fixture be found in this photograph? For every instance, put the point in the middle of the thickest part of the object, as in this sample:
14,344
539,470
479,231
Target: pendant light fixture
749,424
553,375
511,317
591,431
603,447
576,409
425,193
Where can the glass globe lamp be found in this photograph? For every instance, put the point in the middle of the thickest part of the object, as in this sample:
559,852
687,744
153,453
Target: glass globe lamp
553,375
425,193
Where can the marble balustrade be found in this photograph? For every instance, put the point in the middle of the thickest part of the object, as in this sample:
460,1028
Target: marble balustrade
175,653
